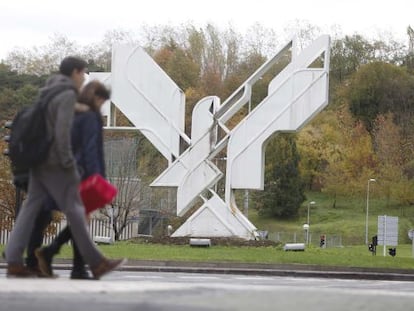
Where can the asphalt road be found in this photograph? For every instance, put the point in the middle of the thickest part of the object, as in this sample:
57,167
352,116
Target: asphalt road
154,291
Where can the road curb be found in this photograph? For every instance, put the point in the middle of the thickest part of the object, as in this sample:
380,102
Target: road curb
276,272
285,270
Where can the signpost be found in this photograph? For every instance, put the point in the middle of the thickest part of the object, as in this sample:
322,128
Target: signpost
411,236
387,231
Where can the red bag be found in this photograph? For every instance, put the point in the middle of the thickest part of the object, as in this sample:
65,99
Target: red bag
96,192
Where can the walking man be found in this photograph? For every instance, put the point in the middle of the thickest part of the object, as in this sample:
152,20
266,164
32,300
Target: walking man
57,177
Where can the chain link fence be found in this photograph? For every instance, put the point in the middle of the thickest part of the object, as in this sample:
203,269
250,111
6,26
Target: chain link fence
331,240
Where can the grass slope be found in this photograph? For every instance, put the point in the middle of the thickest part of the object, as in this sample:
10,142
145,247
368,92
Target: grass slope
346,219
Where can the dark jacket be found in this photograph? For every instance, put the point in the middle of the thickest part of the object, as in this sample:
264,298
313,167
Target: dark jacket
87,141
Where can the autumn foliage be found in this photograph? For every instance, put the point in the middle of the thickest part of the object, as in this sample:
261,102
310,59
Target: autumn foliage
365,132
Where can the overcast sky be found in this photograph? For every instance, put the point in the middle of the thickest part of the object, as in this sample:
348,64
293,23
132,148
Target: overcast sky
28,23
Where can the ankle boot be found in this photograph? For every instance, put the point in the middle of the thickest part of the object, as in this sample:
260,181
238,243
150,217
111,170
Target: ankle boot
106,266
44,260
19,271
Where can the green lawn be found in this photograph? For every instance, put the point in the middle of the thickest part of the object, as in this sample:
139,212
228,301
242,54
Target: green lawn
355,256
347,219
352,256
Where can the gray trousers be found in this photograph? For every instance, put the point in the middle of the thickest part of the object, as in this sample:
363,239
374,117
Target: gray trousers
63,186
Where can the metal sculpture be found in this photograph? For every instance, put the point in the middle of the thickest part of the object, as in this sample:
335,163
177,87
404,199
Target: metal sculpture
155,105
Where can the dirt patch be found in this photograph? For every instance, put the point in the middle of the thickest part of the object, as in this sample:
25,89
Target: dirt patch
231,241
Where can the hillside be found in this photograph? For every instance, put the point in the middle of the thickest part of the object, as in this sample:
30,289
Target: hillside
346,221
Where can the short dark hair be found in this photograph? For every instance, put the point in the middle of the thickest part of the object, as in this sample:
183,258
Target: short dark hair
92,89
70,63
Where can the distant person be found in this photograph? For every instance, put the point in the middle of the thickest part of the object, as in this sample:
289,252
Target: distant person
58,178
87,145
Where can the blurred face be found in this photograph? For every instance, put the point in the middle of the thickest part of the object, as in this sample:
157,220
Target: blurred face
78,76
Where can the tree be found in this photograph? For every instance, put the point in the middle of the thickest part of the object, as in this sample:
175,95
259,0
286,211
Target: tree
121,163
318,145
337,154
10,79
259,40
99,54
284,190
396,180
409,60
378,88
179,65
347,55
305,31
42,60
16,91
7,191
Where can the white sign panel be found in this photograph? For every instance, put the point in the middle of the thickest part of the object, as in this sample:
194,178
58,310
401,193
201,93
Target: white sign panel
388,230
411,234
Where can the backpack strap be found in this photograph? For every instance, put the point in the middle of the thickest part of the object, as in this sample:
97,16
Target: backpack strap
47,96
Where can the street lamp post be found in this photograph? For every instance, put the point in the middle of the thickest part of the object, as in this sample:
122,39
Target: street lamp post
310,203
308,223
306,229
366,218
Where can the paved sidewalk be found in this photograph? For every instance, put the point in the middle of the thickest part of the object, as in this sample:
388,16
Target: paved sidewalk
292,270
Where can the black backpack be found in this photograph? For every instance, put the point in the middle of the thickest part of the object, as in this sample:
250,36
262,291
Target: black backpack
30,141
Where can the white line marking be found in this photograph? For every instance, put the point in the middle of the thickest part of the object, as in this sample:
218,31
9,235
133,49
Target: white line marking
199,277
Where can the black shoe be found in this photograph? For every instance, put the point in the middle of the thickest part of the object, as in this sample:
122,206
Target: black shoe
80,275
44,262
